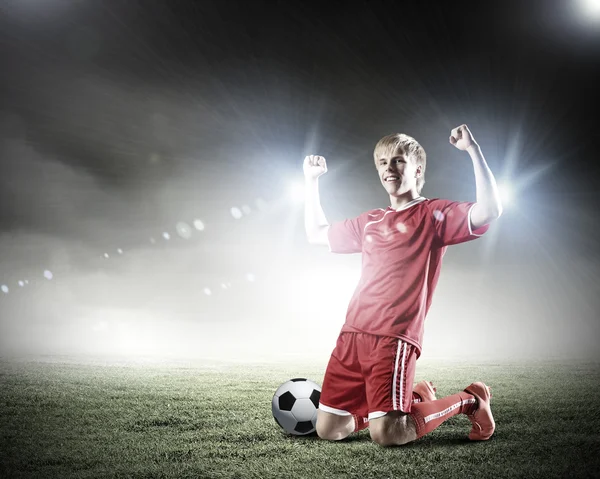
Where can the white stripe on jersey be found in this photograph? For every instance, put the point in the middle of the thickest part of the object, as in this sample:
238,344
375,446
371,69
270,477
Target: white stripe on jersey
405,207
377,221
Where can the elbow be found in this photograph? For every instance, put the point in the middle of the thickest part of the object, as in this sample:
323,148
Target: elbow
495,213
497,210
485,214
492,210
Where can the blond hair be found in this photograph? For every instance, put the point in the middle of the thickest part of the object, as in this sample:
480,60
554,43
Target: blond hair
390,145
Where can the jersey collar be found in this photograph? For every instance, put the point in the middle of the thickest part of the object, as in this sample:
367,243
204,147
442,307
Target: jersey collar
417,200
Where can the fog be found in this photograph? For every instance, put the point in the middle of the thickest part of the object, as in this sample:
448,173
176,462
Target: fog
251,288
120,124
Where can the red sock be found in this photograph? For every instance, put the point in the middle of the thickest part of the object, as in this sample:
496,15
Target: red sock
416,398
429,415
360,423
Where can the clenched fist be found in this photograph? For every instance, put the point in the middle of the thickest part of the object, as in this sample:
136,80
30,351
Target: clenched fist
462,138
314,166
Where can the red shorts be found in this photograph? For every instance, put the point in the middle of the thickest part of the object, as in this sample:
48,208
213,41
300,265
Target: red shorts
369,375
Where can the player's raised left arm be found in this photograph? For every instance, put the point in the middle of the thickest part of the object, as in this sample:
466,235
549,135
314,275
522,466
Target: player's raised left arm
488,207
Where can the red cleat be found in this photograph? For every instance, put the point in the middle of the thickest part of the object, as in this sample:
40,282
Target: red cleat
425,390
482,419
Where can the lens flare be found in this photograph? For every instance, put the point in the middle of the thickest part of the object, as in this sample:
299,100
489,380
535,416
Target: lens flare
507,194
184,230
199,225
236,213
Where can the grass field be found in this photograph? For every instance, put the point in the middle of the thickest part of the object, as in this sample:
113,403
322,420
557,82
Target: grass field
210,420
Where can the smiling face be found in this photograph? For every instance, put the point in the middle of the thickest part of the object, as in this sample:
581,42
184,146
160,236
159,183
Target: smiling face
398,174
400,163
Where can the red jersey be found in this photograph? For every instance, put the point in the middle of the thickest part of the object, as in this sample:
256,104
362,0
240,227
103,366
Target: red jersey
401,260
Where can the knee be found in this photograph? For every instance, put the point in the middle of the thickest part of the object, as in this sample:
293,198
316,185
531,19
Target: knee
332,427
383,438
387,439
330,433
391,433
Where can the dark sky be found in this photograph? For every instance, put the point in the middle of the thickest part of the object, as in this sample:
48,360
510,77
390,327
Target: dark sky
120,118
134,94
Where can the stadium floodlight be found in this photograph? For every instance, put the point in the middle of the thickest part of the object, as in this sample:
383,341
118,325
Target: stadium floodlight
591,7
507,195
297,191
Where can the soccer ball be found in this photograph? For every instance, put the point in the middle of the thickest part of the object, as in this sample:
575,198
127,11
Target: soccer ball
295,405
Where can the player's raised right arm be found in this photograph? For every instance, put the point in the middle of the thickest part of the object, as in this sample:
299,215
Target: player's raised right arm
315,223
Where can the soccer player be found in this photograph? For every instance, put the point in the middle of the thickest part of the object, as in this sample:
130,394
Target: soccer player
369,378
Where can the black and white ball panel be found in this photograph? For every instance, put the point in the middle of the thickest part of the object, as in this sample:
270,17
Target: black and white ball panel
295,405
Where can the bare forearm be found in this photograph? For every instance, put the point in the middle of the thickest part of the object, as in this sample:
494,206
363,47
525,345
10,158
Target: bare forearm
488,197
315,221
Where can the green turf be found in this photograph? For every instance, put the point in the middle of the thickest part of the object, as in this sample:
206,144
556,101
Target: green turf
64,419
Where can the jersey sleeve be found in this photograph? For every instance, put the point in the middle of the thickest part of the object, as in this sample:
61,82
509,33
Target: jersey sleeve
452,221
346,236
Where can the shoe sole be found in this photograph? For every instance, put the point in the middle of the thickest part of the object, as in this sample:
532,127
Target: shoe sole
483,394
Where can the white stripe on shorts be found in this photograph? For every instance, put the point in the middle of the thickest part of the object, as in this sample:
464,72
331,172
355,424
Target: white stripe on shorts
401,405
401,350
